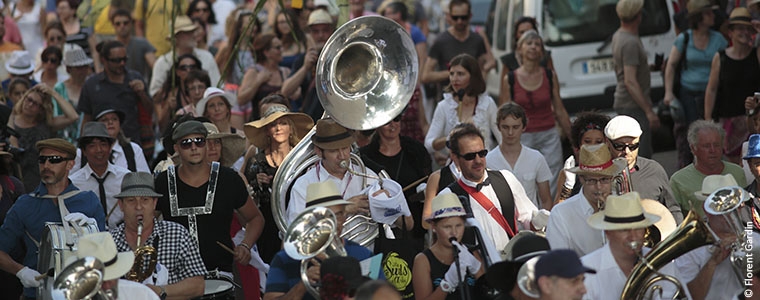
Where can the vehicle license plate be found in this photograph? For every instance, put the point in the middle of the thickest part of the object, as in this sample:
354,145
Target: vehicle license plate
595,66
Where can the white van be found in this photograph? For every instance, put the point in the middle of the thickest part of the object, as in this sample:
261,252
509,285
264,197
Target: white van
579,33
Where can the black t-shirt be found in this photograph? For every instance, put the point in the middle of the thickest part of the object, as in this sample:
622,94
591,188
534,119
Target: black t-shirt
230,194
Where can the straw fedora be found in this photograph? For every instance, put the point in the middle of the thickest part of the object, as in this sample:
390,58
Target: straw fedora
76,57
183,24
622,212
20,63
101,246
667,224
137,184
596,160
256,131
712,183
695,7
331,135
212,92
324,194
740,16
233,145
446,205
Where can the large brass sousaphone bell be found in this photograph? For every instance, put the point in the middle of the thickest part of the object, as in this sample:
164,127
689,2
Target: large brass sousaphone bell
365,76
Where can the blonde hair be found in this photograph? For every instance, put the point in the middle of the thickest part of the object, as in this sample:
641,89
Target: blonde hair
531,35
46,114
293,139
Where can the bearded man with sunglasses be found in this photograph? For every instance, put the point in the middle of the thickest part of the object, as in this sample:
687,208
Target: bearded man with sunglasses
497,200
204,197
26,219
647,176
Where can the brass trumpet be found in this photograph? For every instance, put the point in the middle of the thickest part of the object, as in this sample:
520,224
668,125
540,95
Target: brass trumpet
138,273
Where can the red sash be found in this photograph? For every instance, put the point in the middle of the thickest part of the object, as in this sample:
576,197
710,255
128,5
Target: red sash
489,207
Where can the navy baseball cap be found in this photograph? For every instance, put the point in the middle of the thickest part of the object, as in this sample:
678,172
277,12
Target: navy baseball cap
563,263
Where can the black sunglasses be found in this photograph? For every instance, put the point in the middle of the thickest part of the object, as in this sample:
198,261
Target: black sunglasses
463,18
53,159
621,147
471,155
187,67
117,60
200,142
51,60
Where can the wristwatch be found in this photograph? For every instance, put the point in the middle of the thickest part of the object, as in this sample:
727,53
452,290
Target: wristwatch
163,293
447,287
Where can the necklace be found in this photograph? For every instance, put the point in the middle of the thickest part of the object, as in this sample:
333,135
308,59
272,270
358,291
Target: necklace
275,162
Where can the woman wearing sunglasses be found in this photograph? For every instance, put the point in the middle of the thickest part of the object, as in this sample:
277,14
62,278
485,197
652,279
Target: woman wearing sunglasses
173,95
33,119
48,71
465,101
536,89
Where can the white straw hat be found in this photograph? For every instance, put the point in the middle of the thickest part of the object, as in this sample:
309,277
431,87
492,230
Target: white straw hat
101,246
622,212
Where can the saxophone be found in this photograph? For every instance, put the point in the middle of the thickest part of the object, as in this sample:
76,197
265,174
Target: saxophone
138,273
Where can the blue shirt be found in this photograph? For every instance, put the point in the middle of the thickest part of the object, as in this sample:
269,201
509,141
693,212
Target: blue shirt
285,272
31,212
698,62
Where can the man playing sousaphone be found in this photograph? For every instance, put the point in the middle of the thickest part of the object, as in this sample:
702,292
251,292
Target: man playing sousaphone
27,217
180,270
624,223
567,228
284,278
332,143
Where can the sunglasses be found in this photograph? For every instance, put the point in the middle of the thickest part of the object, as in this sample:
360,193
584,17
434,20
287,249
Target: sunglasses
124,23
187,67
50,60
117,60
462,18
621,147
53,159
471,155
590,181
185,144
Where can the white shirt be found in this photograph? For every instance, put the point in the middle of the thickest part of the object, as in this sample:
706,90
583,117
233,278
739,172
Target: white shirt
530,169
445,118
609,280
164,64
724,281
84,181
119,158
567,228
523,206
222,9
350,186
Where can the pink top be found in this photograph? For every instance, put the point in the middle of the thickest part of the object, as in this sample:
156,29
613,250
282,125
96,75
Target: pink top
12,34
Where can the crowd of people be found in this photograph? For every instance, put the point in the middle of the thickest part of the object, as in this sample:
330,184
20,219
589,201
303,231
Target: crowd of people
167,132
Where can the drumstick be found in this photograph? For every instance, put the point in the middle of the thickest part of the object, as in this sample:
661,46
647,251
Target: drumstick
49,273
406,188
225,247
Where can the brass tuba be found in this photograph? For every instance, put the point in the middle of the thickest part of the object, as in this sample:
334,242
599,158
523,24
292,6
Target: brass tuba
138,273
726,202
313,233
691,234
622,180
365,76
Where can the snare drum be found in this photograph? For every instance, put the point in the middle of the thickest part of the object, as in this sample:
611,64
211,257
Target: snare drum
53,252
218,289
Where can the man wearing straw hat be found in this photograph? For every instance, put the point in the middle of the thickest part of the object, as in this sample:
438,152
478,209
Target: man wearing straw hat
624,223
332,143
707,269
27,217
185,43
284,278
102,247
567,226
180,270
204,198
99,174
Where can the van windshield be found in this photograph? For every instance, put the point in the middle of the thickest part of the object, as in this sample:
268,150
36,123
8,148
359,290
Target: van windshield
568,22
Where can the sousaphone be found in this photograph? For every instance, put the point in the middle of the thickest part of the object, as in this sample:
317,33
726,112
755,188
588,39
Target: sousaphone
365,76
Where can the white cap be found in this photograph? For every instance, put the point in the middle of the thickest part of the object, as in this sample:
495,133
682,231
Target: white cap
622,126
